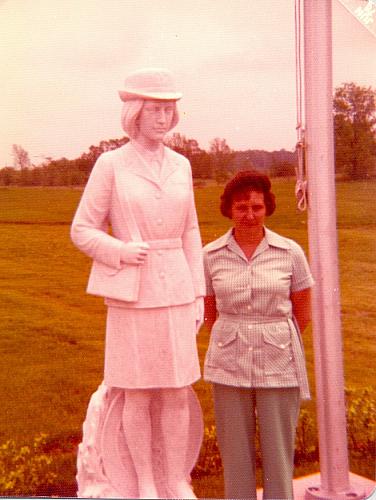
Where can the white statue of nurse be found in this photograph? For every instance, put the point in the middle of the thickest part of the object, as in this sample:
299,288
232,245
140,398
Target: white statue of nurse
146,404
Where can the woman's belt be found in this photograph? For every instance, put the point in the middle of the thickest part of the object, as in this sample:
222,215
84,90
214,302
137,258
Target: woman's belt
251,318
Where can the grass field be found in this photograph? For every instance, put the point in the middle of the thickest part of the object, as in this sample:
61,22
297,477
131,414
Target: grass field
52,334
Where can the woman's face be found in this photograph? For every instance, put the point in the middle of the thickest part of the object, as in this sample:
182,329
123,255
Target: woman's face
248,210
155,120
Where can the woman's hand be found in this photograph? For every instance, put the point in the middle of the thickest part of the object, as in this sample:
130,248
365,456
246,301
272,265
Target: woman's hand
134,252
199,313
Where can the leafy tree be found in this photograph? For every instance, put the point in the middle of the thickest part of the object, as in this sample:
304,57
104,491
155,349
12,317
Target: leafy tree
21,158
88,159
199,159
9,176
222,157
181,144
354,110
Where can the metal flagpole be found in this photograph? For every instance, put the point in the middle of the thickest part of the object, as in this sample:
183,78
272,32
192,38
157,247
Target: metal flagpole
319,144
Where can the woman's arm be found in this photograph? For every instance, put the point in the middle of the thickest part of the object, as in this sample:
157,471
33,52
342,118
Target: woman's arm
301,307
210,314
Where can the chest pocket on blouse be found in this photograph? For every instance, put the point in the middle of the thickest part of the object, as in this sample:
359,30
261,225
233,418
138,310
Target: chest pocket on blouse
223,348
278,356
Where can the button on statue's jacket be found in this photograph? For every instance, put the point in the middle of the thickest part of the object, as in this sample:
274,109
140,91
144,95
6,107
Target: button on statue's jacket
165,213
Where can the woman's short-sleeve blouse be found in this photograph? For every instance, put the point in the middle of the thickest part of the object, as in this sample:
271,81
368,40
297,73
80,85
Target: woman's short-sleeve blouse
260,286
255,341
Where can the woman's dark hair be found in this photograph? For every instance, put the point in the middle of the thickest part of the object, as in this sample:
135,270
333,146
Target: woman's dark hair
243,182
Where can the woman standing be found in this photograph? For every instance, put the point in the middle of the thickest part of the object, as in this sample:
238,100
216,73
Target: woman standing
258,299
150,341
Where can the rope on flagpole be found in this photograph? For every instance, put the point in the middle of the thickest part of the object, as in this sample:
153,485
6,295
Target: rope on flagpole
300,170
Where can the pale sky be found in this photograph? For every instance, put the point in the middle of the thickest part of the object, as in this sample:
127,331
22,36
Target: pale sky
62,62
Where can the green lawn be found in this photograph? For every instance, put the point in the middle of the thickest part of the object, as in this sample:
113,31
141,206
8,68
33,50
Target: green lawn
52,334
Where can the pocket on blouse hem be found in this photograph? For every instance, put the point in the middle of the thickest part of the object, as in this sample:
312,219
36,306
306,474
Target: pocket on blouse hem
223,347
278,355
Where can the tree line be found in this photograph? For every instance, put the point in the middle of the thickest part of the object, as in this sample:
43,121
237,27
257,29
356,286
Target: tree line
354,111
219,163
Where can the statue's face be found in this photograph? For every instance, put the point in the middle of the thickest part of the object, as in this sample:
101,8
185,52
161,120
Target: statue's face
155,120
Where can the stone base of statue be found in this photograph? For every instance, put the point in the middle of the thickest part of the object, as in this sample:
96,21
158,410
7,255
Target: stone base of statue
104,465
